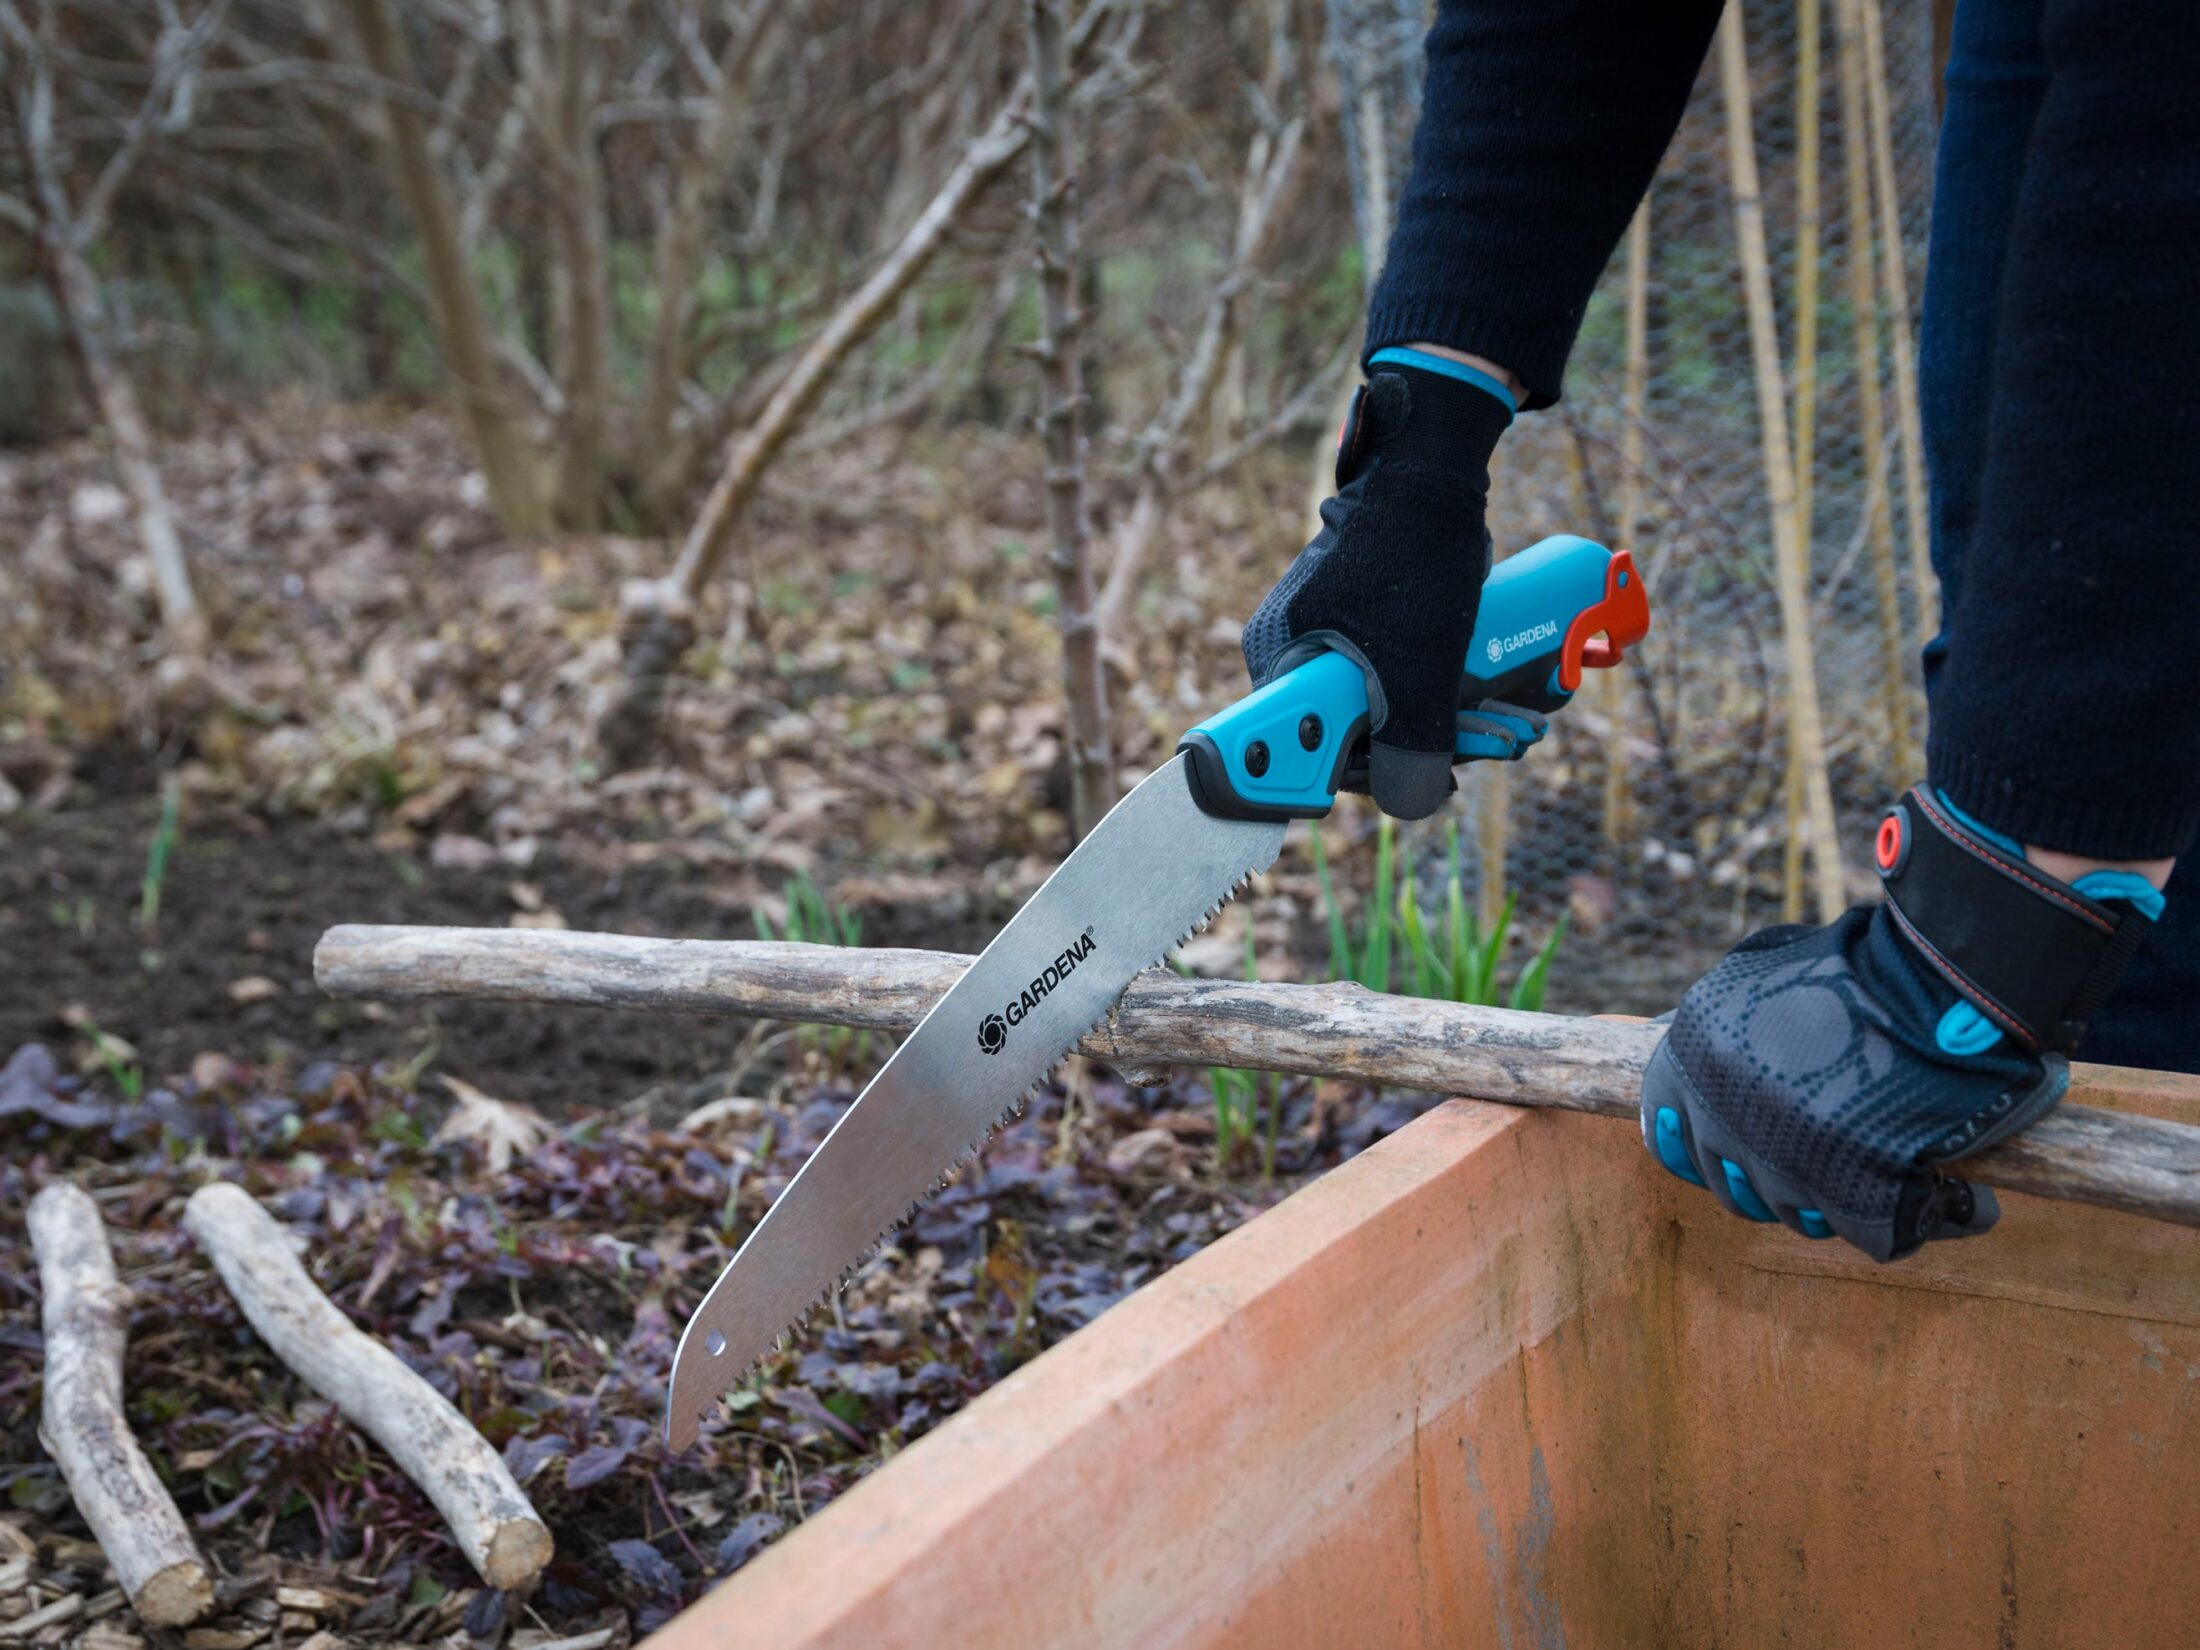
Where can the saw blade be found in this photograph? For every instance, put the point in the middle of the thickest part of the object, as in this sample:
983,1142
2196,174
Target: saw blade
1151,872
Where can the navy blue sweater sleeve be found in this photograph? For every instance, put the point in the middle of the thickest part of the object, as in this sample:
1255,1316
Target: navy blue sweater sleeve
1541,126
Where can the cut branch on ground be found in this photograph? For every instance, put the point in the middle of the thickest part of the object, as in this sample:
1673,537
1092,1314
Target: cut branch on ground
83,1426
495,1525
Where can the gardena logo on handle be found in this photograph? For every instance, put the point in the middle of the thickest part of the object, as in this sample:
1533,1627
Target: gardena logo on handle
1521,638
993,1029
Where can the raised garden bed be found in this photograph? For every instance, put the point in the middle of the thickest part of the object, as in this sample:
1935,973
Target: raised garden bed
1499,1382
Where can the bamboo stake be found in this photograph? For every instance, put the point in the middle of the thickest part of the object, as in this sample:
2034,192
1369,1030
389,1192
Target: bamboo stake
1806,389
1061,417
83,1426
2078,1153
1871,419
1492,840
1895,276
496,1526
1618,796
1806,269
1806,727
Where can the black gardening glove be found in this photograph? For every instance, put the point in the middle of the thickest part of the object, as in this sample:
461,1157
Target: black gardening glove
1393,578
1823,1077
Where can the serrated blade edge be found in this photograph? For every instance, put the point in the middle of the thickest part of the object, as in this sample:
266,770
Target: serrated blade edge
1154,869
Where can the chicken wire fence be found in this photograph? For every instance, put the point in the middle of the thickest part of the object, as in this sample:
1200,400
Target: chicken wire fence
1662,818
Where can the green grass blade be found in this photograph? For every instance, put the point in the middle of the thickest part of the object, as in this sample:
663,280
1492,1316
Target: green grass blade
1375,970
1527,991
1493,946
1340,943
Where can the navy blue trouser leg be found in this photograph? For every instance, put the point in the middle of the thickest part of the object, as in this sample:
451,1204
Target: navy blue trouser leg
1997,78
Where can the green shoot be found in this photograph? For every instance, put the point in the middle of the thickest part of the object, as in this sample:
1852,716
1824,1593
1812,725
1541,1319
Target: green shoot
119,1061
1527,991
814,919
1367,958
1444,955
1237,1097
157,856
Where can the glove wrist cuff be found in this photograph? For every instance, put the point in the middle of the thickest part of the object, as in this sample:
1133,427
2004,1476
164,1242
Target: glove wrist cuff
2032,954
1442,423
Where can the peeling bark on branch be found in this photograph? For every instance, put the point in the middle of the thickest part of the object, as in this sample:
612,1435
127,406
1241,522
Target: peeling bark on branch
496,1526
2079,1153
83,1425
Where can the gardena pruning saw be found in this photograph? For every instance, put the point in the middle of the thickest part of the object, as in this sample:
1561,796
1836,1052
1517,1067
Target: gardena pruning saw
1162,863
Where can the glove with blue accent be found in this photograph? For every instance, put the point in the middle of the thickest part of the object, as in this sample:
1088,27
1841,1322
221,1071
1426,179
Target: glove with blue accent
1825,1077
1394,577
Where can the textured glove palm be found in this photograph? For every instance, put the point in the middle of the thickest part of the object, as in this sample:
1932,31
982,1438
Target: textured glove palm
1394,577
1801,1082
1823,1077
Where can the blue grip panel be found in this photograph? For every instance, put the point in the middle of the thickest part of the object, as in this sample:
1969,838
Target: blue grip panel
1295,780
1530,600
1744,1194
1672,1150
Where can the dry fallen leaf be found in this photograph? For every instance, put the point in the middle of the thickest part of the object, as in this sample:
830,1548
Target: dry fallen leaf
504,1128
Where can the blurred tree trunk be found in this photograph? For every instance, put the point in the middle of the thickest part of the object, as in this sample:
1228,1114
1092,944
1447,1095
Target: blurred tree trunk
697,187
84,313
1271,171
508,459
66,227
657,616
562,83
1061,414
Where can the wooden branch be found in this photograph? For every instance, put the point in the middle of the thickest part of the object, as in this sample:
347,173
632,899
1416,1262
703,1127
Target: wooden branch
175,60
699,182
83,1426
1894,278
437,1448
2078,1153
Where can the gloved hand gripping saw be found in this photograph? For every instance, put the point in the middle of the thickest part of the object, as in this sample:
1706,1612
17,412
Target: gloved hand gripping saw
1556,609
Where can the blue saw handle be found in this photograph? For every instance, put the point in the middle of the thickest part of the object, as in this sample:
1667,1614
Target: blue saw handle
1547,613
